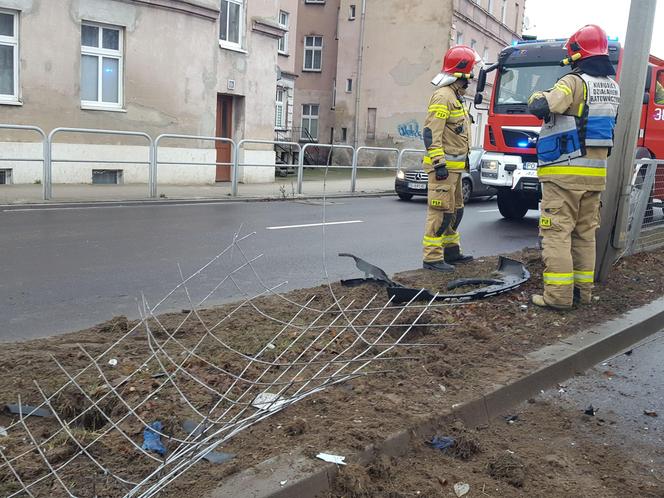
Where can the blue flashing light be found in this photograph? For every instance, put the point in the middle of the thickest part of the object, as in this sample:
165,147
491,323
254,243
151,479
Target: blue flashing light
614,38
515,43
523,144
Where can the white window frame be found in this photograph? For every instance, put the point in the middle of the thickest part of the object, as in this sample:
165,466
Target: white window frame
459,38
241,22
485,55
101,53
489,6
473,44
352,12
310,117
349,85
12,41
503,12
282,43
313,49
314,1
283,105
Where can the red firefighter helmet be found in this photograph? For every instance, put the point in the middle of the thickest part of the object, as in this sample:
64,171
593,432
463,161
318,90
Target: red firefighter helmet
589,41
459,61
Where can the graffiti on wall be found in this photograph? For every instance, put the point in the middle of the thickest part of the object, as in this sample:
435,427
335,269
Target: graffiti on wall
410,129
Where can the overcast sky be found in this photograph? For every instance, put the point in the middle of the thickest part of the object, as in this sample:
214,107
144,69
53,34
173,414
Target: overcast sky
560,18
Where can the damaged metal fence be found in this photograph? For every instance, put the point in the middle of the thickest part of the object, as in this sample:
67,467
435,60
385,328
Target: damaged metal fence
173,389
646,214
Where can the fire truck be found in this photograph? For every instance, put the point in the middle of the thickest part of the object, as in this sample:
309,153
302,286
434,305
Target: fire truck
511,133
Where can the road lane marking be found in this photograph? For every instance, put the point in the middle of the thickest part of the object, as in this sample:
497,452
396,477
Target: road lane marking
316,224
489,210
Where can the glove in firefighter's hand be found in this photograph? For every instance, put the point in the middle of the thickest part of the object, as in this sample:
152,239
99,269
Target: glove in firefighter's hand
441,171
539,107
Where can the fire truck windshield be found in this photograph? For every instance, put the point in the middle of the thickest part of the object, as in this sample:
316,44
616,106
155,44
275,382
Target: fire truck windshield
517,83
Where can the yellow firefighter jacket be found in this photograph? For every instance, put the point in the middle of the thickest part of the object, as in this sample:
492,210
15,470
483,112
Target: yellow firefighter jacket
449,125
568,97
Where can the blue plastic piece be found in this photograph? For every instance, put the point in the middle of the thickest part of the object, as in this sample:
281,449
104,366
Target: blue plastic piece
152,440
442,443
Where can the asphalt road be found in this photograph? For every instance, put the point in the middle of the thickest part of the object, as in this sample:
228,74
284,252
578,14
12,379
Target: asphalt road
628,393
66,269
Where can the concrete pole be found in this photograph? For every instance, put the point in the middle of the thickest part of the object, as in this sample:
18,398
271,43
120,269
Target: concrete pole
611,235
358,77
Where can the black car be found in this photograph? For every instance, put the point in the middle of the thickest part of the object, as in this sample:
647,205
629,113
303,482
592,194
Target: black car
410,182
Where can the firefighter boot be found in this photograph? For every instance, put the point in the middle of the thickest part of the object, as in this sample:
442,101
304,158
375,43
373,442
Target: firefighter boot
440,266
582,296
538,300
453,255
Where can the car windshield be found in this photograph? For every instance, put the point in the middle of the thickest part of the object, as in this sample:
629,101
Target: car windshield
517,84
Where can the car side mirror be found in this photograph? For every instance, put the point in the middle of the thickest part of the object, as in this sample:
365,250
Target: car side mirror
478,98
646,98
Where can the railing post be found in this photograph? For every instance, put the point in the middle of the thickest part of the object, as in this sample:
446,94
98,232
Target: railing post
300,169
353,173
152,177
235,168
48,169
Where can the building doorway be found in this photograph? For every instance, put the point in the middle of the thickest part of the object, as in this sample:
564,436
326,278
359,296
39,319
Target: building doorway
224,130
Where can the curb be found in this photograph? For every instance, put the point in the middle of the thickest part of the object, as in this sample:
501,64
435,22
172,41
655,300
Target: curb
573,355
174,200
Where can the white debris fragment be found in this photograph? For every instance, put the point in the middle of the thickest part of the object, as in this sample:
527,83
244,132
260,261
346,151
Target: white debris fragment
283,483
3,432
268,401
113,362
271,346
442,388
461,489
326,457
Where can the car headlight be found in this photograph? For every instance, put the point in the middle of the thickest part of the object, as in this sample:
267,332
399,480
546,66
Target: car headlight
490,165
401,175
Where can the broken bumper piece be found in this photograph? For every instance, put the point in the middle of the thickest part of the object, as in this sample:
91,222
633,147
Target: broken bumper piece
510,274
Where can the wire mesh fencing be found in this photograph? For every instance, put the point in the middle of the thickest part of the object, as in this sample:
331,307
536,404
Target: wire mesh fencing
646,214
129,418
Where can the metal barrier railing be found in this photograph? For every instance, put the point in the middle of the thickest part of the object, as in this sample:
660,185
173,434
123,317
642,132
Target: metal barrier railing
46,193
300,166
353,178
157,162
646,216
90,131
237,164
405,152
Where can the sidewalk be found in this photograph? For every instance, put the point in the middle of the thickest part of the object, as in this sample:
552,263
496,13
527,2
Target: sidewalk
315,183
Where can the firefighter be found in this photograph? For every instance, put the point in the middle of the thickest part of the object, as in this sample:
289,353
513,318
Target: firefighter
579,115
446,138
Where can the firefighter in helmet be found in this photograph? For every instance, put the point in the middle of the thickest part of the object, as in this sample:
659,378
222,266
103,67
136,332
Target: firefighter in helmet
446,138
579,115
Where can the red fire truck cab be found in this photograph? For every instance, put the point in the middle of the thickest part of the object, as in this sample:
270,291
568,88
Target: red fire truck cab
510,161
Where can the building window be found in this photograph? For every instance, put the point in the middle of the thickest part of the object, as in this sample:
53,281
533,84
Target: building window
473,43
349,85
8,56
371,123
231,21
344,134
280,109
101,65
516,21
485,55
314,1
489,6
283,41
309,122
351,13
459,40
313,53
503,12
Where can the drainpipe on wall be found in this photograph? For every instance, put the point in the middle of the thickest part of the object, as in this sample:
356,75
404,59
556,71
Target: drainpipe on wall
358,83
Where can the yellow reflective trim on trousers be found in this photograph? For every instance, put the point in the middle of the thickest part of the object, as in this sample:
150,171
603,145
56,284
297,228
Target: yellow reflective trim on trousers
584,276
559,279
571,170
456,164
432,241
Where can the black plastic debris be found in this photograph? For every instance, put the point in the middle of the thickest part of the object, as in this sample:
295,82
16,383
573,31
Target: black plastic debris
590,411
510,275
28,410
